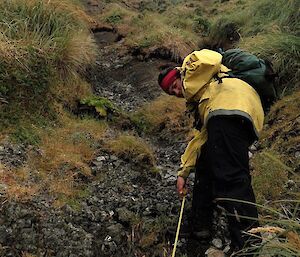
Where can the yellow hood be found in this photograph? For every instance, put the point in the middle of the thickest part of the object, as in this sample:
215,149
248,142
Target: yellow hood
197,70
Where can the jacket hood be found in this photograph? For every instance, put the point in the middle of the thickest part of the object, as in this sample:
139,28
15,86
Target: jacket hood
197,70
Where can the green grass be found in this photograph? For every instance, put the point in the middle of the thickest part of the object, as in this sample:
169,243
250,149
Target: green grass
270,176
270,30
42,43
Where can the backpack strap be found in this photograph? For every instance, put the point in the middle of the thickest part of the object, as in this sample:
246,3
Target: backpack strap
219,79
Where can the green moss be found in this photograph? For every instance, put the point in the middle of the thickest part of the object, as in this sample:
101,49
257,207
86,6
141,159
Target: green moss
269,176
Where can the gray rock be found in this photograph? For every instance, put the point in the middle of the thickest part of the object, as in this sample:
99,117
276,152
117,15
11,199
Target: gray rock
217,243
114,158
100,158
117,232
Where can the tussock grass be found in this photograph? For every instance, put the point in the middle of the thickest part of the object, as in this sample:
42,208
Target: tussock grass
269,176
270,30
17,187
284,51
130,147
281,133
163,113
280,232
150,29
73,144
41,44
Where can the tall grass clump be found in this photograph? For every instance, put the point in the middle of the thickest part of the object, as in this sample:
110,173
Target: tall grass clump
164,113
131,147
270,30
151,29
279,231
42,43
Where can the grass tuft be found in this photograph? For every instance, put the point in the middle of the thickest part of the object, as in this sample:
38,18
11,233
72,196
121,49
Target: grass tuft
130,147
163,113
42,43
269,176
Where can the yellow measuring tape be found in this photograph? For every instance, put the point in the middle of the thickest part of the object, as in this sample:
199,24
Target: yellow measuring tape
178,227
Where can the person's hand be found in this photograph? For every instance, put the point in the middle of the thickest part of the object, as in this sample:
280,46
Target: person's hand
181,187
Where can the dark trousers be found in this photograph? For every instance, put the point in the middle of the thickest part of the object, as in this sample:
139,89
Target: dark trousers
223,172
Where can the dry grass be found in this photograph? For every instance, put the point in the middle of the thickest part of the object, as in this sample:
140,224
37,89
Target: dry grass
151,29
282,131
17,184
48,44
80,51
69,91
72,143
65,153
163,113
278,240
133,148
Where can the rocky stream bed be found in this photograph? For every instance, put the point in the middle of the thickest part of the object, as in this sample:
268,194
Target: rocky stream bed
128,208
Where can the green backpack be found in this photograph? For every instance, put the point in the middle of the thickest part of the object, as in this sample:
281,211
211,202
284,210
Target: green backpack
258,73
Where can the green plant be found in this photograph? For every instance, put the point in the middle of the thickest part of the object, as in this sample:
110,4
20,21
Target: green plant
269,176
102,105
114,18
41,44
25,135
201,25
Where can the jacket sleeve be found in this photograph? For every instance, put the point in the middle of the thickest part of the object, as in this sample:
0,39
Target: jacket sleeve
191,153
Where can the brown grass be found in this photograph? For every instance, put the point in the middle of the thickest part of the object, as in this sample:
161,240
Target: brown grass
68,6
79,52
282,131
18,185
165,112
151,29
64,153
69,92
72,143
131,147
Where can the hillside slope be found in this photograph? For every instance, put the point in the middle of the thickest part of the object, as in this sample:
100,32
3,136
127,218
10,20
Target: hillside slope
89,146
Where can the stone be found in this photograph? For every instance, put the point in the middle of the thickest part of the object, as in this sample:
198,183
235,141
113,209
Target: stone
116,232
100,159
217,243
212,252
114,158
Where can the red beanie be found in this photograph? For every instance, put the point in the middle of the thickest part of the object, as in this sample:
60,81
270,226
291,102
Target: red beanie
169,79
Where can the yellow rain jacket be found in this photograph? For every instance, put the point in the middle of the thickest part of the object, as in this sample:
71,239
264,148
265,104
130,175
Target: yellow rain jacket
203,86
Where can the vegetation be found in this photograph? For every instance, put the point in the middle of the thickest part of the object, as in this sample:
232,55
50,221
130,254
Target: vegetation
45,47
163,113
131,147
60,164
102,106
267,29
42,44
149,28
